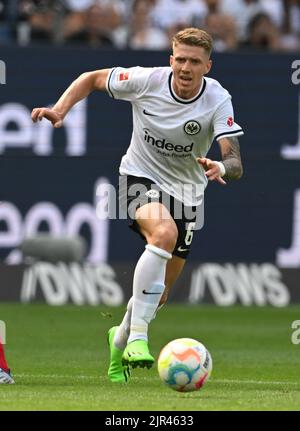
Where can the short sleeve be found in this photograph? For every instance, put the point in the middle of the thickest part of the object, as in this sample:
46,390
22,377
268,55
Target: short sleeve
223,121
128,83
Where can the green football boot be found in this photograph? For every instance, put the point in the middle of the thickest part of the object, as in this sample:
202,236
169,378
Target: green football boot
136,354
117,372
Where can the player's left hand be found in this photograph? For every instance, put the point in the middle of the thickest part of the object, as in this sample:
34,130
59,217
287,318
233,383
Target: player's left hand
212,170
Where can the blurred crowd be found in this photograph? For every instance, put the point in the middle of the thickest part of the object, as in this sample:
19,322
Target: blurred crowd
272,25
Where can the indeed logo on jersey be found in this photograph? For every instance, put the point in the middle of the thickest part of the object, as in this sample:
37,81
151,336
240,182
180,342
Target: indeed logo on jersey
163,145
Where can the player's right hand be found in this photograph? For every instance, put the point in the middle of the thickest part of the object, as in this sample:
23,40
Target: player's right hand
212,170
38,114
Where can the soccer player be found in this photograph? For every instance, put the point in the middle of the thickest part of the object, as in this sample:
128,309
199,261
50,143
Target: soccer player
5,377
177,113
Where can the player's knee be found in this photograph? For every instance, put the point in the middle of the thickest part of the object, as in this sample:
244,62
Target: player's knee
165,236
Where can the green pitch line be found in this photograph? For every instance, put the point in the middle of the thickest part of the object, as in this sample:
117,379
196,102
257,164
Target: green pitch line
59,359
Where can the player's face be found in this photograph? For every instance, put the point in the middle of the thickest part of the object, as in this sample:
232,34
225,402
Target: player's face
189,64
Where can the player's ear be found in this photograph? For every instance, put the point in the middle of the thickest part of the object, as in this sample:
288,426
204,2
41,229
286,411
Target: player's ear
171,60
208,66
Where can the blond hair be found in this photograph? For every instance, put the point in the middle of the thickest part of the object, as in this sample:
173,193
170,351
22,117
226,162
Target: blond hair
194,37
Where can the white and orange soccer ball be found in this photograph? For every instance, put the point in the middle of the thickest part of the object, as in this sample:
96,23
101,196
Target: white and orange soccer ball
184,365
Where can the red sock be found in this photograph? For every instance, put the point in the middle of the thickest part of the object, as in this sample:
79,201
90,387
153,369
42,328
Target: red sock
3,363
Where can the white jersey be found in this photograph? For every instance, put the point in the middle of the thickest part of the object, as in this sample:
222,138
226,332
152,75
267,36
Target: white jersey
169,133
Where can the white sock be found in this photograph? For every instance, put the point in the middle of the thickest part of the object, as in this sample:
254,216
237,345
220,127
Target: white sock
148,287
122,333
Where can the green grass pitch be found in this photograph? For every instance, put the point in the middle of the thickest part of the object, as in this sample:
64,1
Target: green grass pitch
59,359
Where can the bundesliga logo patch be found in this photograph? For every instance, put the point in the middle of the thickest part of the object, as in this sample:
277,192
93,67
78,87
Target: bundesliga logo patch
123,76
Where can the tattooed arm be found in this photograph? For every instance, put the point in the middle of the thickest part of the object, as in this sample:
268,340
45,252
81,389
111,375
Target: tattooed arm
231,158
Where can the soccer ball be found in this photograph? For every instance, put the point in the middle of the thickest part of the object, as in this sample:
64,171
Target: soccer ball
184,365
